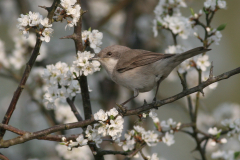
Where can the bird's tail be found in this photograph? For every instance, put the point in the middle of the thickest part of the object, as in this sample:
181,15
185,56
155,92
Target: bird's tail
188,54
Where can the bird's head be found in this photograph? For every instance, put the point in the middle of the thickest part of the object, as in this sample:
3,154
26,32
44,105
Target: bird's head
109,56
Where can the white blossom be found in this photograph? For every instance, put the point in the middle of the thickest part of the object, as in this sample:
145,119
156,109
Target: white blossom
216,37
153,157
166,125
139,129
203,62
225,155
214,131
212,4
80,153
129,145
152,113
150,138
45,22
175,49
81,141
24,20
100,115
222,4
95,39
82,66
34,18
93,135
113,112
102,128
46,34
168,139
73,88
115,128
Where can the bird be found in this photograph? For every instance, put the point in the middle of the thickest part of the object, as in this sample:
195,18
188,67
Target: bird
140,70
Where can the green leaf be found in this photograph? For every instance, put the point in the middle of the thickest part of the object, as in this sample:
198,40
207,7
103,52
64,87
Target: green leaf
158,23
62,143
90,29
236,154
218,135
221,27
112,117
192,11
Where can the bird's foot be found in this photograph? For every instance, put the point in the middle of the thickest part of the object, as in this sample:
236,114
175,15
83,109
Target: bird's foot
121,109
154,102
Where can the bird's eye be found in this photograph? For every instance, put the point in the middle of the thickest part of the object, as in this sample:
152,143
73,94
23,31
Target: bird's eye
109,53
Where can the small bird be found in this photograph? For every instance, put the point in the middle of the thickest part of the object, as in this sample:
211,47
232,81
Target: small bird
140,70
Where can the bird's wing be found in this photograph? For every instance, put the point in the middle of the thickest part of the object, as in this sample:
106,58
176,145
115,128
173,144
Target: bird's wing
140,58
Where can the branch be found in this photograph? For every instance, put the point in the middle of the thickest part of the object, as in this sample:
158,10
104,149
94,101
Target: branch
74,110
133,153
105,152
2,157
21,85
34,135
184,93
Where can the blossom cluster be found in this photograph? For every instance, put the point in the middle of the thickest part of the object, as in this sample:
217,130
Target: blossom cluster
72,10
80,141
215,36
225,155
60,77
82,152
234,127
110,124
168,16
61,83
17,59
216,133
34,20
213,4
94,37
82,66
150,137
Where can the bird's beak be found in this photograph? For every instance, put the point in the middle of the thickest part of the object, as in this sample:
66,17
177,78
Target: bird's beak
96,58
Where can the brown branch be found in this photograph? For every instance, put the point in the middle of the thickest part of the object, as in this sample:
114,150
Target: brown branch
135,152
2,157
21,85
34,135
74,110
105,152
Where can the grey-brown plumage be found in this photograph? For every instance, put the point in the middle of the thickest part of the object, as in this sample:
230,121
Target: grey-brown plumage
140,70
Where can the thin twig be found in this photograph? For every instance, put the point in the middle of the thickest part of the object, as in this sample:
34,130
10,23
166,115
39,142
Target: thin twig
2,157
74,110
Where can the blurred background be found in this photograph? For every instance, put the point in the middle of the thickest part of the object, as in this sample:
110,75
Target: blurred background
129,23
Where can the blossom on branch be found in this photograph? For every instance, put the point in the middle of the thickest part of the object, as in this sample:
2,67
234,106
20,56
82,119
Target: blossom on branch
94,38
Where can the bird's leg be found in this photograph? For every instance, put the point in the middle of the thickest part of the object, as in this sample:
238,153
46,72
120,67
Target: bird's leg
121,107
136,93
158,83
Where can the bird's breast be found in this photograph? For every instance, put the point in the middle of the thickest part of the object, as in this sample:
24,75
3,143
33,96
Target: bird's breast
140,78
